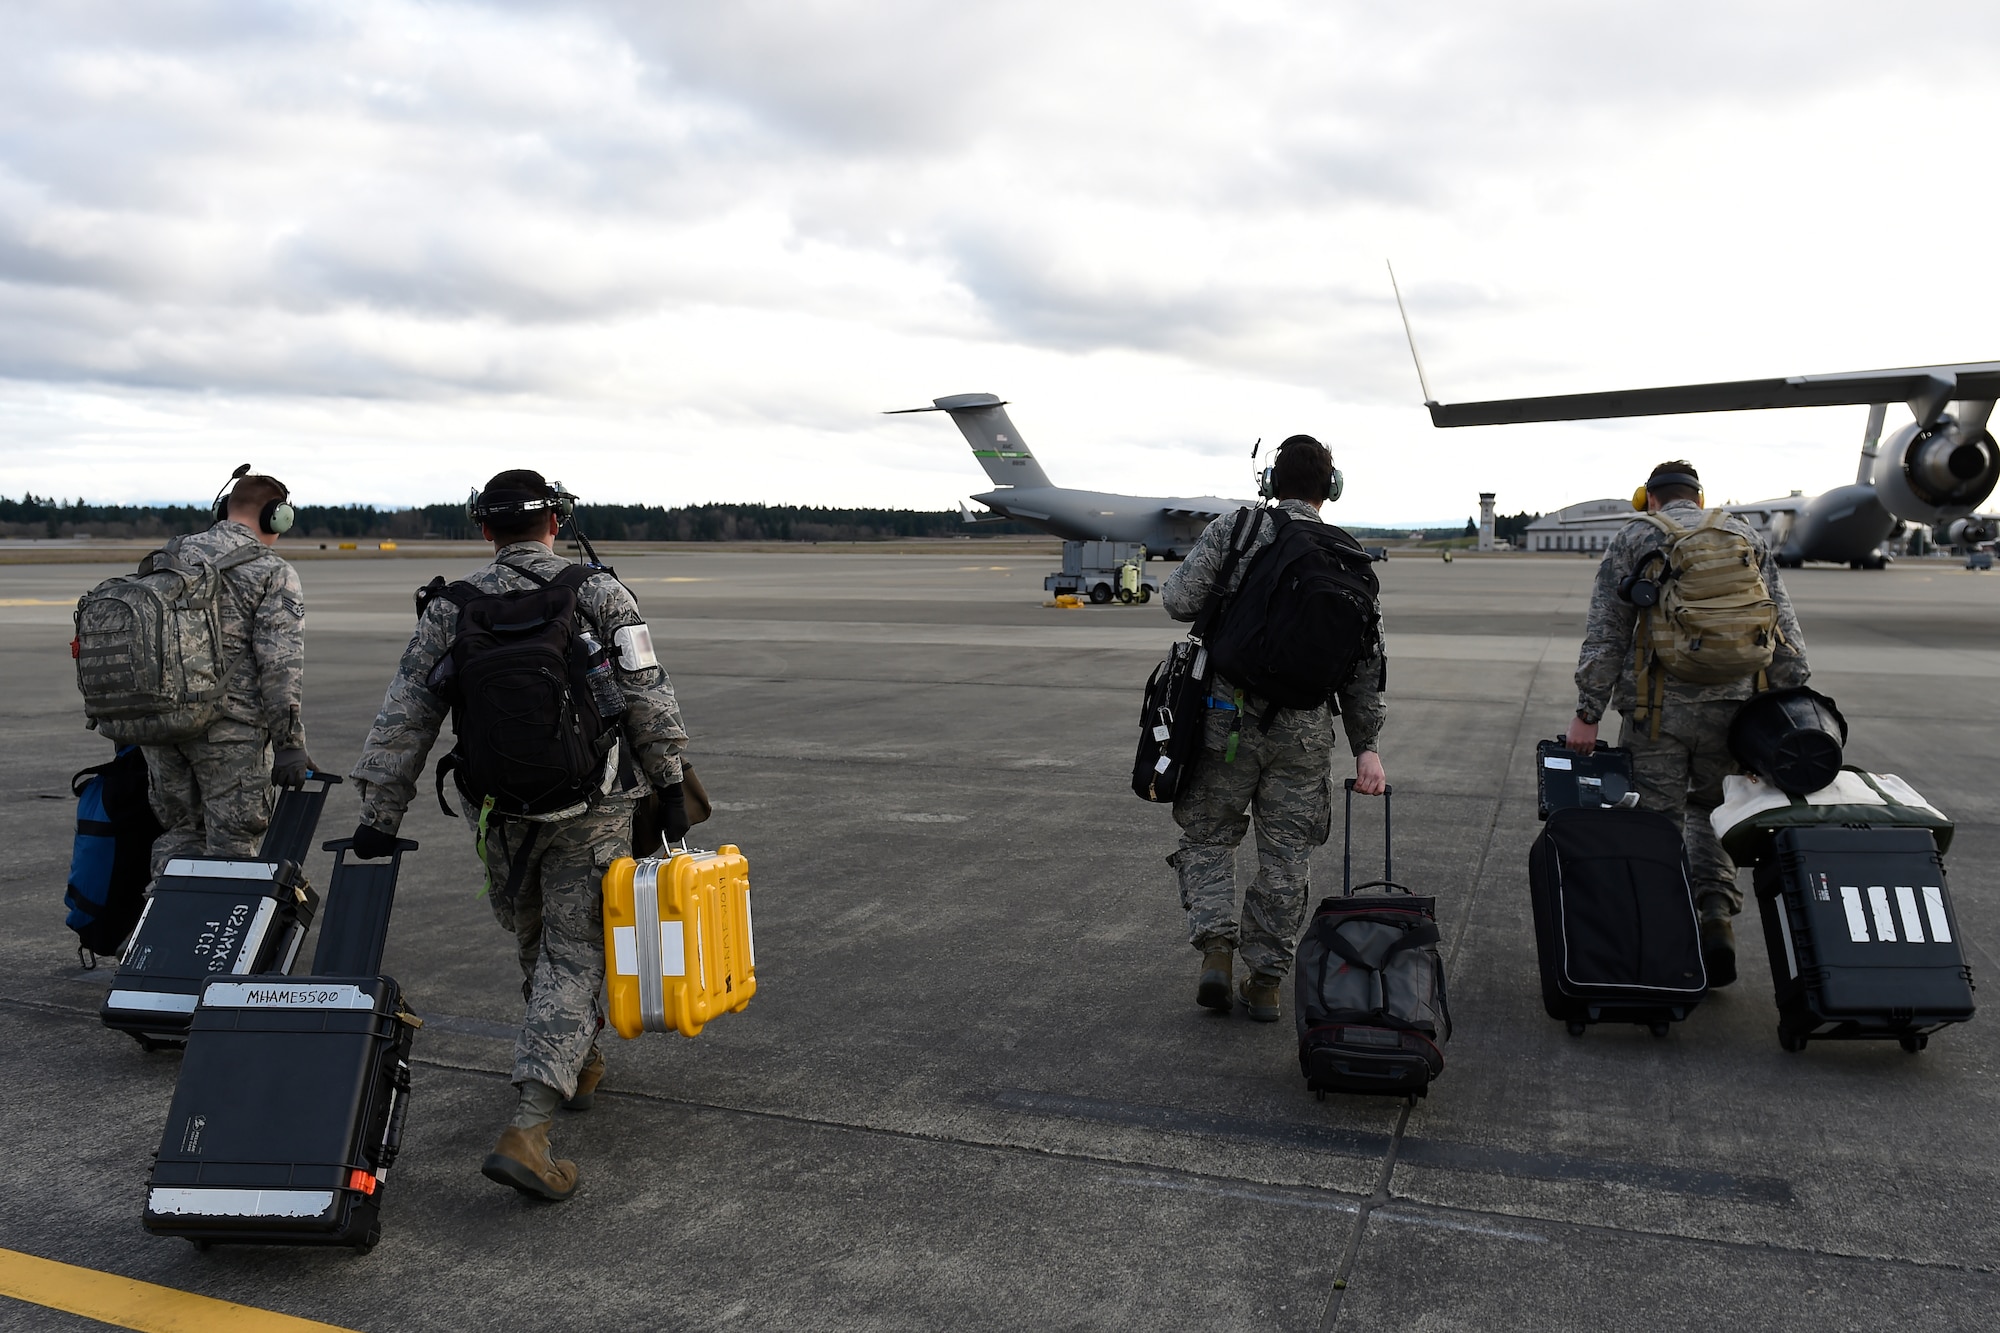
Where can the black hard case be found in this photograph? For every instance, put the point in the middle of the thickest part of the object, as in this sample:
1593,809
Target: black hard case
212,918
1862,936
290,1105
287,1116
1590,781
1356,1057
1615,927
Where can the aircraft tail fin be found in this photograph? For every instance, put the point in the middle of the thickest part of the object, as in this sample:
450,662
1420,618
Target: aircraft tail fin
982,419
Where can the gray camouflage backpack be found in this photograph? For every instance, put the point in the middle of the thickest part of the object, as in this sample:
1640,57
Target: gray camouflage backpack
149,648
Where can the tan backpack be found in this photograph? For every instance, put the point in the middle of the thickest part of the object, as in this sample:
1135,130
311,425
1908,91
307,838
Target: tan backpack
1714,622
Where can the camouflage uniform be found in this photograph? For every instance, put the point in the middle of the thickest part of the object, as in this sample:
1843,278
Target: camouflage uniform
1283,776
213,795
556,911
1680,772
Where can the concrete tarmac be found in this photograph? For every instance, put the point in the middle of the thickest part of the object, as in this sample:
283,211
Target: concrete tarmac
974,1089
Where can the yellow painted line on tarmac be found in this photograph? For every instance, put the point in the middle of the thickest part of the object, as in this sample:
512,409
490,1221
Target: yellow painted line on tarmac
37,601
129,1303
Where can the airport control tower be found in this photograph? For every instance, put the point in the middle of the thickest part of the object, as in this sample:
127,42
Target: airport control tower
1486,520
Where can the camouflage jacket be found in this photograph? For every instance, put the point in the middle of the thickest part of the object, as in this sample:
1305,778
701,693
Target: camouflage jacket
263,629
1186,590
392,760
1605,671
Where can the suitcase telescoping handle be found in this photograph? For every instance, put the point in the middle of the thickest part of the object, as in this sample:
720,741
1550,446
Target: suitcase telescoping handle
1388,880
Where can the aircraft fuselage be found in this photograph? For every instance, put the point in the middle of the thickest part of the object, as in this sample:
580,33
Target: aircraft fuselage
1167,525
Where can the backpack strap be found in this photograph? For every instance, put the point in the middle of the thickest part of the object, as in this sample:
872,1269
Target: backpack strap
1219,590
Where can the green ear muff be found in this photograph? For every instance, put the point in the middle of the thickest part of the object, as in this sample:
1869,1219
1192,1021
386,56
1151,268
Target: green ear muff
277,518
1335,487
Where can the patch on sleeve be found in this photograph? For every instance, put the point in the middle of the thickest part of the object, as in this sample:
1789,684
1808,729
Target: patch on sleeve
635,648
295,605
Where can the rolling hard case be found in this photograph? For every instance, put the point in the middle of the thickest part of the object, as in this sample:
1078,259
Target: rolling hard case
1368,985
290,1105
1862,936
678,946
210,917
1566,780
1615,927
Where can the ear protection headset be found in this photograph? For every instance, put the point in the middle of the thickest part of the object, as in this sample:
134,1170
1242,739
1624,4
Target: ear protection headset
1668,479
276,517
1334,486
516,504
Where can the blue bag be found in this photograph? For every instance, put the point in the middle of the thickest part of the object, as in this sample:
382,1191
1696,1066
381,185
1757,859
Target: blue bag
110,863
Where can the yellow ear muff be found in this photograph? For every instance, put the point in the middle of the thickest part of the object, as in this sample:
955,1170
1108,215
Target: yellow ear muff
1639,500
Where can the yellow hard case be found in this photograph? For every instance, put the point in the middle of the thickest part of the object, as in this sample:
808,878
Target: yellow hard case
693,909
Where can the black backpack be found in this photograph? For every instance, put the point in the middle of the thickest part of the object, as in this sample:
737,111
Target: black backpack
517,677
1304,618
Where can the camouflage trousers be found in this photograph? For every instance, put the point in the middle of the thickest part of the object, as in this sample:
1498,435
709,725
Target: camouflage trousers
556,914
1680,775
1283,778
212,796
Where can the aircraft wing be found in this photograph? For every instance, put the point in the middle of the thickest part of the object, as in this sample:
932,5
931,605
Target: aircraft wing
1925,388
1204,511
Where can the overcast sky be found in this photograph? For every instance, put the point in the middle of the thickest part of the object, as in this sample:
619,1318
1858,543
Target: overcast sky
672,252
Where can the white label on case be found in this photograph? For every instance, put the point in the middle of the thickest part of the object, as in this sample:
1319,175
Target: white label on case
1161,734
1857,920
673,949
624,943
1906,907
1555,761
1934,908
1885,924
1164,764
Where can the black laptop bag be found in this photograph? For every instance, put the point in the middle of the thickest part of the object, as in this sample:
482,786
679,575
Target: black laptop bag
1565,779
1615,926
1368,985
1862,936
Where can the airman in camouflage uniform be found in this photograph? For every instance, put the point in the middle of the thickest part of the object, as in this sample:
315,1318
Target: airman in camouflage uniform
1282,776
1680,772
212,795
553,904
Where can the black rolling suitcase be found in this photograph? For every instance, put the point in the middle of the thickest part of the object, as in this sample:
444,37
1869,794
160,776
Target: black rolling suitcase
1615,926
211,918
1565,779
1368,985
1862,936
290,1106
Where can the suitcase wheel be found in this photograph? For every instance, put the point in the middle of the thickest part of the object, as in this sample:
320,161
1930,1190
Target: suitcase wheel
1790,1040
1657,1029
1320,1093
200,1246
367,1242
1913,1043
1576,1027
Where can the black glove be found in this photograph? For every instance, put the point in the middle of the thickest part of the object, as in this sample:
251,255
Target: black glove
674,813
291,768
371,842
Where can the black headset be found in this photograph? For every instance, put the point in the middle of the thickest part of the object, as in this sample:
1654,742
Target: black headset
518,504
275,517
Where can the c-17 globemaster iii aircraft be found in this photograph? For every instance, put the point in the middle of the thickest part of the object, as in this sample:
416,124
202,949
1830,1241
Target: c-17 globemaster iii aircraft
1935,471
1166,525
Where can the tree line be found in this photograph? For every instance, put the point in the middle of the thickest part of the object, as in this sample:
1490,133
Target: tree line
37,516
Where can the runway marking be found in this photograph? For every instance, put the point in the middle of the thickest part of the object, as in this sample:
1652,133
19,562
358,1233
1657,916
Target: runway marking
36,601
1227,1192
129,1303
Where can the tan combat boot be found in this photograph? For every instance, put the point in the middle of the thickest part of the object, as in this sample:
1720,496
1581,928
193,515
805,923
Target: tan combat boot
587,1082
521,1159
1212,991
1260,996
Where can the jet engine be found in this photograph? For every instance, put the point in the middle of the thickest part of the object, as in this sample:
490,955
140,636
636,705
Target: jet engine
1967,532
1938,473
